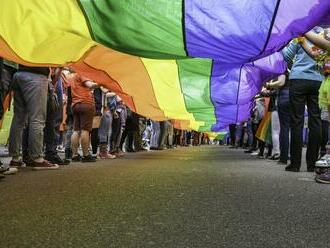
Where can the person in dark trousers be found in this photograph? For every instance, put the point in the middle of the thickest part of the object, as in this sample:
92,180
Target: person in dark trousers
305,81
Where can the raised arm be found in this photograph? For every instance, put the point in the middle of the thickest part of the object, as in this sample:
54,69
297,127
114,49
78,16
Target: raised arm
321,42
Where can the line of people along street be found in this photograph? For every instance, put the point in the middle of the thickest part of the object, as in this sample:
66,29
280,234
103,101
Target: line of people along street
61,117
292,111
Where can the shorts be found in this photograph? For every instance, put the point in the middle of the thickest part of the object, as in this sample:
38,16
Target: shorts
83,117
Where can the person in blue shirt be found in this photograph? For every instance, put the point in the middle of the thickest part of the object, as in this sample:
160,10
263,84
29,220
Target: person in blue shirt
305,81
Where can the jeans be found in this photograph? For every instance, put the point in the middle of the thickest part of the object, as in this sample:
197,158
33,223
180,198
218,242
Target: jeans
115,138
162,134
302,92
170,133
284,114
105,127
155,134
276,129
30,105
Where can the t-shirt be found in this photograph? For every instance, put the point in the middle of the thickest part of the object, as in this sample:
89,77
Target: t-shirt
303,66
79,91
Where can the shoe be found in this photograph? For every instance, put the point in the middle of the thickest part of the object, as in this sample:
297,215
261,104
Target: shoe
323,178
60,149
76,158
106,155
292,168
44,165
274,157
249,151
7,170
322,165
20,163
10,171
88,159
55,159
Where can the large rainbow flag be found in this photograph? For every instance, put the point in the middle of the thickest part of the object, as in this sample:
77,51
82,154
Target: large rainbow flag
197,62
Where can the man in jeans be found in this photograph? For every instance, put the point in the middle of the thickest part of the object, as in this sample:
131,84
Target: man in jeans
30,106
305,81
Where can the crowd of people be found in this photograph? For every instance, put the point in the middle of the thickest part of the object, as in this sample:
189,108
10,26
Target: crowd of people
292,111
59,111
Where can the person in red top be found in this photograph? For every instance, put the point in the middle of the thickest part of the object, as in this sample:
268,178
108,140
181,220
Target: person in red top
83,107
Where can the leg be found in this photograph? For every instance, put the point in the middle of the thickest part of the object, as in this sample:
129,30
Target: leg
315,126
18,122
35,95
284,117
275,133
85,142
297,103
325,137
94,140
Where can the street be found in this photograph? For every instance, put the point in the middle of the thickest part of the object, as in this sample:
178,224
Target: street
207,196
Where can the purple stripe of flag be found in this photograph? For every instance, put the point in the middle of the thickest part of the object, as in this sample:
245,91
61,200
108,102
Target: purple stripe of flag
240,31
233,89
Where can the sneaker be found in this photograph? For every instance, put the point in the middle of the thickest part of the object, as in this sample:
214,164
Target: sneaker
10,171
322,165
254,153
17,164
55,159
323,178
44,165
274,157
7,170
88,159
106,155
60,149
76,158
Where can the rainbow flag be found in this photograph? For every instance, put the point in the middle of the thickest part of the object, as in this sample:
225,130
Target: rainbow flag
197,62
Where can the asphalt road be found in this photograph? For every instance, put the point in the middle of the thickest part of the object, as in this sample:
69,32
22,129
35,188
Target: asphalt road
188,197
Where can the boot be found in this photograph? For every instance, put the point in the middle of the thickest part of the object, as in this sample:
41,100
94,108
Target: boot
104,152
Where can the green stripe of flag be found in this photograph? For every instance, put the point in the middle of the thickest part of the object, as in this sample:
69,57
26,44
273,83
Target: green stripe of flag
194,77
143,28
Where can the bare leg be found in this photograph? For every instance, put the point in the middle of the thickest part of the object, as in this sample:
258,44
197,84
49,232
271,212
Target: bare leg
85,142
75,143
